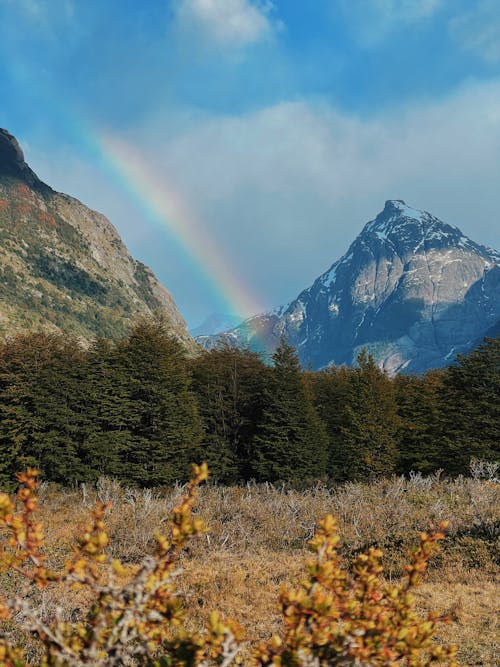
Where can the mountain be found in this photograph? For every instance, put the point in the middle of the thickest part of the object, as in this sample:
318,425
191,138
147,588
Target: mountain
411,289
64,266
214,324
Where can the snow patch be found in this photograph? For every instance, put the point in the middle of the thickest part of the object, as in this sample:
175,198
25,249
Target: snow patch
333,308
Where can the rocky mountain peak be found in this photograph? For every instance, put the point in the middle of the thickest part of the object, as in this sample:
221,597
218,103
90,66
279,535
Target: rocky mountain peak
410,230
400,207
397,215
12,161
411,289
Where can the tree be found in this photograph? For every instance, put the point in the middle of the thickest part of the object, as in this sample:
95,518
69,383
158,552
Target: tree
41,416
291,444
470,407
330,391
368,424
148,409
229,385
108,441
418,400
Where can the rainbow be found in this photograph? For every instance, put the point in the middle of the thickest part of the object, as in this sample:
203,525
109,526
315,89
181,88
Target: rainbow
161,202
164,205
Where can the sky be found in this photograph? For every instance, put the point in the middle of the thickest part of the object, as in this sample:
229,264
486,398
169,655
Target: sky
239,146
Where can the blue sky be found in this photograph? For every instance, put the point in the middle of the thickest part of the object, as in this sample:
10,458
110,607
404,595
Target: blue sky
285,123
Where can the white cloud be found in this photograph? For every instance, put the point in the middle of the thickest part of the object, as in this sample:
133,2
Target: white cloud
479,30
475,29
284,190
232,23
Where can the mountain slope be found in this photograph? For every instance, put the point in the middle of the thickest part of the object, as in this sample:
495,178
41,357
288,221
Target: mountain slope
411,289
64,266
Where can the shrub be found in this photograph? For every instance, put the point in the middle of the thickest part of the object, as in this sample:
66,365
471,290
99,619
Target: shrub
136,618
339,619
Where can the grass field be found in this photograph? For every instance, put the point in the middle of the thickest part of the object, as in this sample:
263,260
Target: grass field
258,542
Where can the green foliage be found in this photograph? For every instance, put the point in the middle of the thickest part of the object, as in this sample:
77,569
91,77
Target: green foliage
470,407
123,409
291,444
157,404
40,415
144,421
229,384
419,407
142,275
359,409
66,275
137,409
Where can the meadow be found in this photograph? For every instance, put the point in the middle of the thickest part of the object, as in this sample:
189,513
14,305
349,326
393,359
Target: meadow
258,537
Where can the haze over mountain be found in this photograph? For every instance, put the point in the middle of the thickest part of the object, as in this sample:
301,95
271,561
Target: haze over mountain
64,266
411,289
214,324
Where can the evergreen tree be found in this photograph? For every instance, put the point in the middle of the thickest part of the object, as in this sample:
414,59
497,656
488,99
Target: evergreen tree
330,391
40,415
369,424
418,401
470,407
147,411
291,444
108,441
229,385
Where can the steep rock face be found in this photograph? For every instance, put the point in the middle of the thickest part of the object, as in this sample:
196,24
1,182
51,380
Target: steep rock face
64,266
411,289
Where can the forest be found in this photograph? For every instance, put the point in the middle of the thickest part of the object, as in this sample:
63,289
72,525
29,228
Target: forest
139,410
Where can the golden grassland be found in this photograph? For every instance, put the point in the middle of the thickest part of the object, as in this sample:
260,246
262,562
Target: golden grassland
258,541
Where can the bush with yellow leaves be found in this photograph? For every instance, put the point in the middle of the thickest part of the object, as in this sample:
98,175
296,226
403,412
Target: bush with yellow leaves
334,618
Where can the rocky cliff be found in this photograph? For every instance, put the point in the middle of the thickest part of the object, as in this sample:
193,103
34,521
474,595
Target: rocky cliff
64,266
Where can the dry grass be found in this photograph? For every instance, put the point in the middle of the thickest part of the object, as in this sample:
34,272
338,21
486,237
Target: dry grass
258,541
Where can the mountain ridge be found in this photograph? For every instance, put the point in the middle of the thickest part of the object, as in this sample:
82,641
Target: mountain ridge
64,267
411,289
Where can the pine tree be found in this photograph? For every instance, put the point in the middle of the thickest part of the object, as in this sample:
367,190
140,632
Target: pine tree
229,385
291,444
470,407
418,401
369,424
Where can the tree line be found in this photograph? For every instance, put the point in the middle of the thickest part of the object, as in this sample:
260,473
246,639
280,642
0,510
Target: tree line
139,410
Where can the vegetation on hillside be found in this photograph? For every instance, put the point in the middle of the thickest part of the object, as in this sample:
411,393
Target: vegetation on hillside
65,269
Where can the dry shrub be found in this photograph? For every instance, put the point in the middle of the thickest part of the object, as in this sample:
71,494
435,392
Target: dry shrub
133,614
385,513
131,619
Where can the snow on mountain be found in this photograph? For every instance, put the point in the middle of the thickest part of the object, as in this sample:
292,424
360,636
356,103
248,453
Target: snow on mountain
411,289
